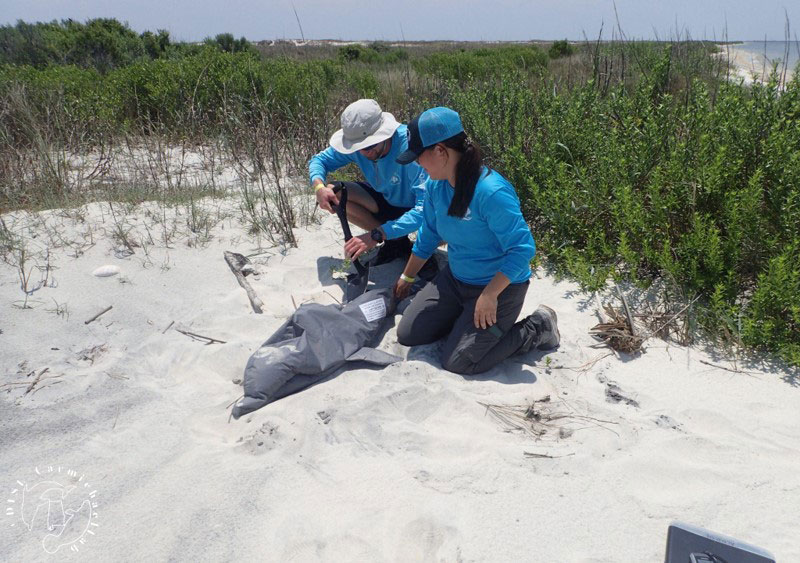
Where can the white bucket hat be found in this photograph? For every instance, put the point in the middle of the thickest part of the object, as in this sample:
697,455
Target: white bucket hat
363,124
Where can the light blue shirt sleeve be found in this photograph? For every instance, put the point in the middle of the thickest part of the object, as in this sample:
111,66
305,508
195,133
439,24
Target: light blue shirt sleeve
411,220
506,222
428,237
325,162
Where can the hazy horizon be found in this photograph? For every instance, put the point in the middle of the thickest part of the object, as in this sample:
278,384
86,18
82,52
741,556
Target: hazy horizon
444,20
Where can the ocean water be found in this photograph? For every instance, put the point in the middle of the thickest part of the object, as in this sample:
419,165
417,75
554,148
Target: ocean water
774,50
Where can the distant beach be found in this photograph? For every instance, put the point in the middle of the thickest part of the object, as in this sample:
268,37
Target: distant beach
754,59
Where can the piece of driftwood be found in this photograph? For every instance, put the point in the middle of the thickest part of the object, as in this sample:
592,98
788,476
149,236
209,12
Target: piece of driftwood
97,316
240,266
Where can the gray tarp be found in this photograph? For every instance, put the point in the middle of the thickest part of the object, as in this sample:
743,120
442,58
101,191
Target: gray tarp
314,342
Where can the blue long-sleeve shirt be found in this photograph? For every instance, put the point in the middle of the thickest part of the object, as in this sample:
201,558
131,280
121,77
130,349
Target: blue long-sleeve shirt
491,237
402,186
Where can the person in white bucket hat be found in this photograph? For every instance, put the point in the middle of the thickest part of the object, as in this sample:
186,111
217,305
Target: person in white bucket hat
388,205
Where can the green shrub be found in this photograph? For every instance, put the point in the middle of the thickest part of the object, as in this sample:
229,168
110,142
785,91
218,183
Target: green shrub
772,317
375,54
484,63
560,49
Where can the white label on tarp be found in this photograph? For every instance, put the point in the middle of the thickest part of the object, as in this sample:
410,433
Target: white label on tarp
374,310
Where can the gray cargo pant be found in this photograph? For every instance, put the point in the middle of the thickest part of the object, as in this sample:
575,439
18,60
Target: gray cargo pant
445,309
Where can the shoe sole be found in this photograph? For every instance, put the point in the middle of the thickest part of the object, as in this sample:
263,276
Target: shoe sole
555,324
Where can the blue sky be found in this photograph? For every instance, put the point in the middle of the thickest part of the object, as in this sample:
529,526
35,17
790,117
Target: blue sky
496,20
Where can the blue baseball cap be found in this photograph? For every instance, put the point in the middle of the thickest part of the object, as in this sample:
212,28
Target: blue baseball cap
430,127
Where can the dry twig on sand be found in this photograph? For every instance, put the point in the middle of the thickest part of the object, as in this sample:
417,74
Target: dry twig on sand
35,381
622,334
200,337
97,316
618,333
331,296
35,385
546,456
583,368
733,369
558,419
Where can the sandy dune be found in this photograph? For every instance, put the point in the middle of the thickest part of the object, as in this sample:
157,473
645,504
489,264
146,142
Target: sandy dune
400,464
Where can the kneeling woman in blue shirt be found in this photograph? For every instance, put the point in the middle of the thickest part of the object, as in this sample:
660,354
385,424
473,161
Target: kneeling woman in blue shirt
475,301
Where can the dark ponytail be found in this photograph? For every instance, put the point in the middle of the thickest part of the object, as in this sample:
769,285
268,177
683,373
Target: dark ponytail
468,172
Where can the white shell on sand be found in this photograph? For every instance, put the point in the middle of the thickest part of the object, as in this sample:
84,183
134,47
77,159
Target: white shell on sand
106,271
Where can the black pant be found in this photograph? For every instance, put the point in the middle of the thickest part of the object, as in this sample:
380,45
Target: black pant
445,308
386,211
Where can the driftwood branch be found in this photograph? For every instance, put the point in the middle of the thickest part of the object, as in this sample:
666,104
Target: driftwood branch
236,262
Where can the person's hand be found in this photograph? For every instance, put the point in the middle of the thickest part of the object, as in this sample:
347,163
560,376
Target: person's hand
401,288
326,198
485,311
356,246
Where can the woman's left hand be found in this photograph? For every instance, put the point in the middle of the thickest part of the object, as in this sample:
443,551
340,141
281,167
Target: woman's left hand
485,311
356,246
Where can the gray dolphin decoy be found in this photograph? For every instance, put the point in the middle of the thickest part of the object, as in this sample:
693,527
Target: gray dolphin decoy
315,341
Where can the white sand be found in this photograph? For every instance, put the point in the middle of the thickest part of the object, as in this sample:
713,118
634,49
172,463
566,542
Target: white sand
748,66
404,464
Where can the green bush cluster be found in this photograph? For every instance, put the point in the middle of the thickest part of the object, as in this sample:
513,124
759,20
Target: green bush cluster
104,44
480,64
374,54
226,42
560,49
651,185
197,91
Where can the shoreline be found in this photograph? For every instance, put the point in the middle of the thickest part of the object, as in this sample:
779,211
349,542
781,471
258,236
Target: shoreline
748,66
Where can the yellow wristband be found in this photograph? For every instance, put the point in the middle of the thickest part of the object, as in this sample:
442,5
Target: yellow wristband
318,187
407,279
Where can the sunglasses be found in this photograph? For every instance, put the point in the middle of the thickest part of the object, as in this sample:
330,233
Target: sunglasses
375,146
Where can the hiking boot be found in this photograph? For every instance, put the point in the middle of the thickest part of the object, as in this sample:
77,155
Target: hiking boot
542,329
392,250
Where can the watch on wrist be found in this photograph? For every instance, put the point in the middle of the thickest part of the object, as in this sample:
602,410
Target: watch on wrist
376,235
